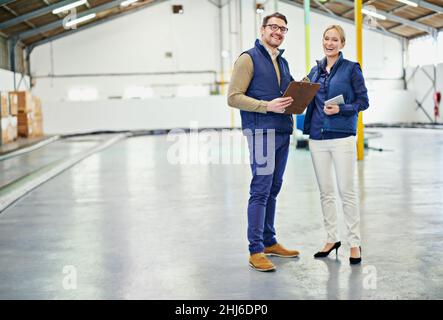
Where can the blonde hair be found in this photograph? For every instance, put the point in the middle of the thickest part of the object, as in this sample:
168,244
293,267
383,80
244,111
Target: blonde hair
340,31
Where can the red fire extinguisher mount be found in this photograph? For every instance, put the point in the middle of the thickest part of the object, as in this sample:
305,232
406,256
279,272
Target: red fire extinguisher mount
437,99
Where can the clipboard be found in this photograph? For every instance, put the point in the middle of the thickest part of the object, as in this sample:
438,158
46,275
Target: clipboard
302,93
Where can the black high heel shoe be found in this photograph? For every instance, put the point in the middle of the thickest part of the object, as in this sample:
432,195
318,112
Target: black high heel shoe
355,260
323,254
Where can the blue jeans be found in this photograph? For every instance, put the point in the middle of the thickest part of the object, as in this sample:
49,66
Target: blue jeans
267,179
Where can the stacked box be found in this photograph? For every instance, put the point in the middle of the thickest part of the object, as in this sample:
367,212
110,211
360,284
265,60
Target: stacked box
22,105
8,129
14,127
4,118
25,124
37,105
21,116
38,128
38,118
3,131
13,103
4,105
22,101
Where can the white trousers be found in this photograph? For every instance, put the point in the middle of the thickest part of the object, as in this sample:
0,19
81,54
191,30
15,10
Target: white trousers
340,154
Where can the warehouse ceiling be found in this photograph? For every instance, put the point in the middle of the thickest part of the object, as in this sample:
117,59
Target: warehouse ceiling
33,22
396,18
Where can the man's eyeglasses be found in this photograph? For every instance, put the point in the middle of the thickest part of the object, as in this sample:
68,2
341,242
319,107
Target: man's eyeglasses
275,27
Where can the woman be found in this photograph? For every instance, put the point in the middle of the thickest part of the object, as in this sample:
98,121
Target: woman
332,130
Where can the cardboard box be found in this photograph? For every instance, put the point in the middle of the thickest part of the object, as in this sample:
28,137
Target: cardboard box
26,120
37,106
3,130
25,125
14,126
38,126
11,133
13,103
38,130
24,101
4,104
7,130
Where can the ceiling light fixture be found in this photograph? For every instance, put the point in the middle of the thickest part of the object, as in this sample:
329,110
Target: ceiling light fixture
80,20
373,14
409,3
69,6
127,3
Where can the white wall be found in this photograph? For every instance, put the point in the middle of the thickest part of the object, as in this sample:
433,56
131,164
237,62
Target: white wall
7,81
205,112
135,43
138,43
156,113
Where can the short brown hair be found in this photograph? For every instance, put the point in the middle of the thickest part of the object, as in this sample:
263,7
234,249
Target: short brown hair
274,15
340,31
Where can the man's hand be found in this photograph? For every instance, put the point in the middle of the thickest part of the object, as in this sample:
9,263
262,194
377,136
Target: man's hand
279,105
331,109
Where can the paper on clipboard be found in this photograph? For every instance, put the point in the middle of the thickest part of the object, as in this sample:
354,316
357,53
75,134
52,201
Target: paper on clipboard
336,100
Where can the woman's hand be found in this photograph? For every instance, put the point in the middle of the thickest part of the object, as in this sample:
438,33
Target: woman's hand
331,109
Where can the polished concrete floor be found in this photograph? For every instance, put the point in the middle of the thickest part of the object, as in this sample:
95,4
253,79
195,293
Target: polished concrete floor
16,167
126,224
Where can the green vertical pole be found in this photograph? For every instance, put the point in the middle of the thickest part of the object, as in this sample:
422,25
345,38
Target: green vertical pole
307,5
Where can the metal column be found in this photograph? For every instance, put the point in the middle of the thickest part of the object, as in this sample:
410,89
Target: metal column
359,32
12,45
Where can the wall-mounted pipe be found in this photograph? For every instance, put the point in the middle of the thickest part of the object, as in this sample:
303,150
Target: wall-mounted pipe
222,69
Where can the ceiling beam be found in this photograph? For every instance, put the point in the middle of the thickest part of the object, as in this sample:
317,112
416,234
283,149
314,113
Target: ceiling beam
29,24
423,4
428,5
93,24
59,23
417,25
432,14
346,20
399,8
402,6
325,8
3,2
34,14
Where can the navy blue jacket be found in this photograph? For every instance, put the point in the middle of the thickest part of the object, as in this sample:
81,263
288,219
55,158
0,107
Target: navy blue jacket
346,78
264,86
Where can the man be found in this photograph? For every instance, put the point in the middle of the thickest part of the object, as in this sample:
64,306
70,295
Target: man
259,78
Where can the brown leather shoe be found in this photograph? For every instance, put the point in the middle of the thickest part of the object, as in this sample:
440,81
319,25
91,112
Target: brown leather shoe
280,251
260,262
